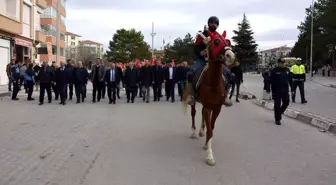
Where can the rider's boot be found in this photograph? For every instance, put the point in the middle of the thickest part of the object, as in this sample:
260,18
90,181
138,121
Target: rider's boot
191,96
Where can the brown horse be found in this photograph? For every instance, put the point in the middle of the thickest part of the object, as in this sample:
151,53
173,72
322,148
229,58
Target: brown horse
211,88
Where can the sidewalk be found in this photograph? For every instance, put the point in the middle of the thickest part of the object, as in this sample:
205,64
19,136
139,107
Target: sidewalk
320,109
325,81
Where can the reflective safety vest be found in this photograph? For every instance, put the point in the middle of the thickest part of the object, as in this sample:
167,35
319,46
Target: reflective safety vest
299,72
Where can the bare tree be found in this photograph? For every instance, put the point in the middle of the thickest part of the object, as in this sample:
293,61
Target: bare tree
85,54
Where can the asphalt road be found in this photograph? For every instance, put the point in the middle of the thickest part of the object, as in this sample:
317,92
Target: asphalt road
321,99
149,144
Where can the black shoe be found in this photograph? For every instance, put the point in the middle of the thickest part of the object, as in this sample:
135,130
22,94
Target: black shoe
147,101
15,99
30,99
154,100
132,101
277,122
49,101
93,101
143,99
61,103
56,99
110,102
304,102
98,100
70,98
41,103
118,97
128,101
173,101
82,99
77,102
293,101
237,101
114,102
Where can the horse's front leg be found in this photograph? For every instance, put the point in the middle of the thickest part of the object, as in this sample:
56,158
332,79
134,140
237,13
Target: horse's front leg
193,127
201,131
208,142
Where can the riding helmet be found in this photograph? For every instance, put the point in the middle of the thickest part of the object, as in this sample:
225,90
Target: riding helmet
213,19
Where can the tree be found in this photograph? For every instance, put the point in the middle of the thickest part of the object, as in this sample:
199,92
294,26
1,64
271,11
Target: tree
245,46
182,49
85,54
128,45
324,37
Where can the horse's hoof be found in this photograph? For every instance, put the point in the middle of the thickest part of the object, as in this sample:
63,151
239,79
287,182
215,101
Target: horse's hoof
211,162
201,134
193,136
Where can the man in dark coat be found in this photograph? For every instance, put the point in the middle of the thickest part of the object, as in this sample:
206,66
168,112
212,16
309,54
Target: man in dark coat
146,81
113,77
62,77
238,79
131,80
69,69
182,78
46,76
97,79
80,78
53,85
158,80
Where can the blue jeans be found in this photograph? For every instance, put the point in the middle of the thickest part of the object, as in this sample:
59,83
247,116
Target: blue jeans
200,63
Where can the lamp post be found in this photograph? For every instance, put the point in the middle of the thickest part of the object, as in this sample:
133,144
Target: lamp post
311,40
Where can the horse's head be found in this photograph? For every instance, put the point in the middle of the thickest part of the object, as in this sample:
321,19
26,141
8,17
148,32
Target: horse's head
219,48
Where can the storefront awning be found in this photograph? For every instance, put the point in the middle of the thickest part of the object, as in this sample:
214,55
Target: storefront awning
24,43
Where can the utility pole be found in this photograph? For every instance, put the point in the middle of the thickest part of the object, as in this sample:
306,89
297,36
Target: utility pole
153,35
57,30
311,40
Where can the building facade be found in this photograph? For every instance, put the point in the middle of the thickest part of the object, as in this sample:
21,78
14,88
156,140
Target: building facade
271,55
53,23
20,33
72,42
94,48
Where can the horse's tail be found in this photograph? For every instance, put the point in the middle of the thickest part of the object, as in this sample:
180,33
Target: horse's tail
185,96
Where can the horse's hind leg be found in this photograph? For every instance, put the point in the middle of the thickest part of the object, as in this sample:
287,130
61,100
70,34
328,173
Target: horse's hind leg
193,127
214,115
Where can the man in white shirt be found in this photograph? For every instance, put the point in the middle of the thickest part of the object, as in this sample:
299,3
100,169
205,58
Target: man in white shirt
170,80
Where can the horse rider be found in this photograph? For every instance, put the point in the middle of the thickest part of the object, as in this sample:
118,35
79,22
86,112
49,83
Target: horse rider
200,51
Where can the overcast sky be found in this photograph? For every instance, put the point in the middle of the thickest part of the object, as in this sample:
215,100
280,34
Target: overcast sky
274,22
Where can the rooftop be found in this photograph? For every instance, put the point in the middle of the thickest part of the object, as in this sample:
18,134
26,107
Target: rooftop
281,48
72,34
90,42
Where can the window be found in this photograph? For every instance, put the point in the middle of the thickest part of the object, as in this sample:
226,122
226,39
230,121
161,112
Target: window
49,12
62,36
63,3
73,44
26,20
63,20
62,52
73,37
49,29
54,50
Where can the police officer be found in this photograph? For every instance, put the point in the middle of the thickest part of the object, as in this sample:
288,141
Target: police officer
15,80
299,77
280,80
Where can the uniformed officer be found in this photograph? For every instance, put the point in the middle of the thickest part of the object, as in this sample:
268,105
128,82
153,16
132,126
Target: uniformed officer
299,77
281,78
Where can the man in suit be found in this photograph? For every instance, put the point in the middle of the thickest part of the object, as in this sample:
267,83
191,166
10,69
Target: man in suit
69,69
182,78
170,80
238,79
46,76
62,82
112,77
131,80
146,81
103,84
80,77
97,79
158,80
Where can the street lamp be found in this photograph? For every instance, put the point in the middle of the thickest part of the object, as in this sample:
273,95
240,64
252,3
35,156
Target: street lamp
311,40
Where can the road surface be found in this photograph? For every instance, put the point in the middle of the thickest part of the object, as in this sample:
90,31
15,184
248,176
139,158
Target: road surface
321,99
149,144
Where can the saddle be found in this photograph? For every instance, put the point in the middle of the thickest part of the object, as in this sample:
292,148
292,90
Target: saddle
197,79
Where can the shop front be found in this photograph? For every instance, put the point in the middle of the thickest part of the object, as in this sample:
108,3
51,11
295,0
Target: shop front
5,57
22,50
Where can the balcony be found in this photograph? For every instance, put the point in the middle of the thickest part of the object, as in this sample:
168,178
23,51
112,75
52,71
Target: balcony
9,25
42,3
40,36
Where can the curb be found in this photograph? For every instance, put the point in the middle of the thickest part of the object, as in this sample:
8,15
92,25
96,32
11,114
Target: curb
4,94
247,96
332,86
322,123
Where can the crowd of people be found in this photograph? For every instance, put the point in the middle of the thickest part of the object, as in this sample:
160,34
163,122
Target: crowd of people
71,78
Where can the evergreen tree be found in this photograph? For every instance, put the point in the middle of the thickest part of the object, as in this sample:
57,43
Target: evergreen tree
181,50
128,45
245,46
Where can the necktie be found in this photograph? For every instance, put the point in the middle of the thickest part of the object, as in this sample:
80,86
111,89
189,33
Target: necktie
112,75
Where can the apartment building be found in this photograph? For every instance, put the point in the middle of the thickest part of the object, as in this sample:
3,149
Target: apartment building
95,48
72,41
19,31
271,55
53,23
